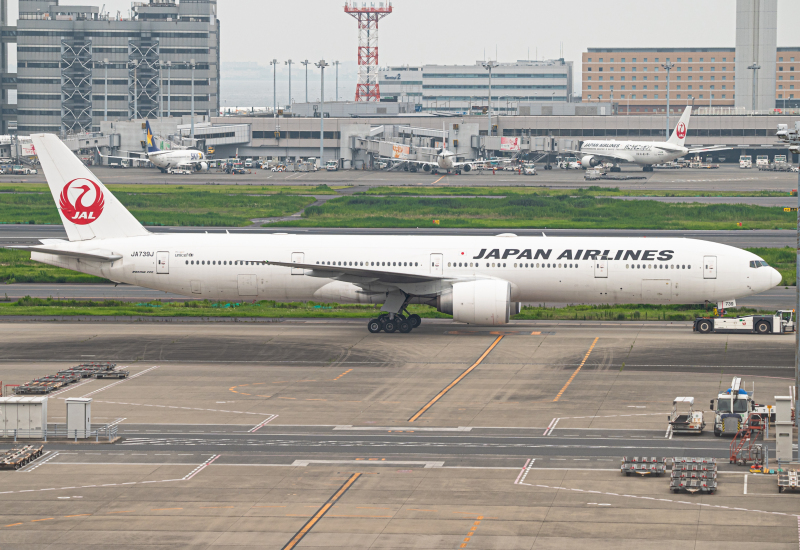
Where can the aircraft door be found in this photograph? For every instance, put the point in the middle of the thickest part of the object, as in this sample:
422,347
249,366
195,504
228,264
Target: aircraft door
709,267
601,269
298,258
436,264
162,263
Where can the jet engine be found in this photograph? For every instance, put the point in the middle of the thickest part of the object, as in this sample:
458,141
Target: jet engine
426,167
482,302
201,167
467,167
590,162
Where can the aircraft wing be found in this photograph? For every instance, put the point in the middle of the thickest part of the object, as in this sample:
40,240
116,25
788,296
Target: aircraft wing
709,149
360,274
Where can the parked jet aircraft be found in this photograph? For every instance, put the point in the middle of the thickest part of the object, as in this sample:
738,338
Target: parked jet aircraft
173,159
644,153
479,280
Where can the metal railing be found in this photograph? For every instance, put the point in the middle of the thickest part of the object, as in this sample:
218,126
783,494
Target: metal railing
59,431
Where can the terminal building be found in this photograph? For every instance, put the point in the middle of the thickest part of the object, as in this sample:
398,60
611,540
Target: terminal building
78,66
464,88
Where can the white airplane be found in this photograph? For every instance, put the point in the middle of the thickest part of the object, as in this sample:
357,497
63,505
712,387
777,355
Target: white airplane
479,280
644,153
445,160
174,159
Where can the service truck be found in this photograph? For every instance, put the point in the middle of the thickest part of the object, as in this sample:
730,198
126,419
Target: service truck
762,160
745,161
782,322
731,408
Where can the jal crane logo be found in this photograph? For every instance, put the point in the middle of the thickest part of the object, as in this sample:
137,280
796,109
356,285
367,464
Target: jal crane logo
681,130
77,211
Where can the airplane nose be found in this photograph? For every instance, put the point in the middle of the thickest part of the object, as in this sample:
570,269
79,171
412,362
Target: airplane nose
774,277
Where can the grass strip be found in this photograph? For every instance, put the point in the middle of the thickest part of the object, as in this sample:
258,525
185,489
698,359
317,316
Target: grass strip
240,189
538,211
529,188
198,207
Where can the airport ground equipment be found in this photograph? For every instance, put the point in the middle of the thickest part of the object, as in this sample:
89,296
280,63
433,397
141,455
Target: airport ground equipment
15,459
643,466
744,448
684,419
23,416
789,481
732,408
693,475
782,322
784,426
48,384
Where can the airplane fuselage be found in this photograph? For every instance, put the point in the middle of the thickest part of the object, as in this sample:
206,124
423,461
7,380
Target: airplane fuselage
644,153
539,269
176,158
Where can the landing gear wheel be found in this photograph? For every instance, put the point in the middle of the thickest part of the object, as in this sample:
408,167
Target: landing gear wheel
375,326
718,434
389,325
415,320
762,327
404,327
704,327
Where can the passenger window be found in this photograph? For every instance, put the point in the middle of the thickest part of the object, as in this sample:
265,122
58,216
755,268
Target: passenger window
448,264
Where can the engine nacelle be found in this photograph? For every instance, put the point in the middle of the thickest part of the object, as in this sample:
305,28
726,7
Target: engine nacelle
484,302
426,167
467,167
590,162
201,166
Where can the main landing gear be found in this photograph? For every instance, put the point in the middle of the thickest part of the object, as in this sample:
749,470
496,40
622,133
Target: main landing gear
394,323
647,168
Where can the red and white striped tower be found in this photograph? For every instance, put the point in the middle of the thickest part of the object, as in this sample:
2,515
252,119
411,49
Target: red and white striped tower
368,16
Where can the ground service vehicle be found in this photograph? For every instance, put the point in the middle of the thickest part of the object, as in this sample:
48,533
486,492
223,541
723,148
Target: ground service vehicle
684,419
782,322
762,160
568,163
331,166
732,407
745,161
529,169
179,171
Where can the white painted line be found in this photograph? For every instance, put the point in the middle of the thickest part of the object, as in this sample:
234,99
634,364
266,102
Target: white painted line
200,468
41,460
431,464
525,467
138,374
550,426
401,429
745,484
262,424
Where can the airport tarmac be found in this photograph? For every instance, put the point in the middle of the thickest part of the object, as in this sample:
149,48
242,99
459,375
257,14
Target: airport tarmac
315,433
774,299
725,178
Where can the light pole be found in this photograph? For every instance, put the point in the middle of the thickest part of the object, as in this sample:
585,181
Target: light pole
336,64
321,64
160,89
274,64
306,62
290,79
490,65
755,67
668,67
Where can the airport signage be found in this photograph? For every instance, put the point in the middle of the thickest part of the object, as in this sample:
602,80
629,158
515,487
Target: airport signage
509,144
400,151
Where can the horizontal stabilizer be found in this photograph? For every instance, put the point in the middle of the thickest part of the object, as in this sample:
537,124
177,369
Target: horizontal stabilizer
94,255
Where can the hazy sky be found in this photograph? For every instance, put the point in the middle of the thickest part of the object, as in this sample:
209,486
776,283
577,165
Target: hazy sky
458,31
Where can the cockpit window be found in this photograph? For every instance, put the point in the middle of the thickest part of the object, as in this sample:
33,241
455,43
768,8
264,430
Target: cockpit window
758,263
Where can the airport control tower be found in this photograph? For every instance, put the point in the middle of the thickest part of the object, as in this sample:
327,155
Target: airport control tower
368,16
756,46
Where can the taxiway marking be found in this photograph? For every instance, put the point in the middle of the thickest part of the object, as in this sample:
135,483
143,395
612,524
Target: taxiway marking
456,381
574,374
321,512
